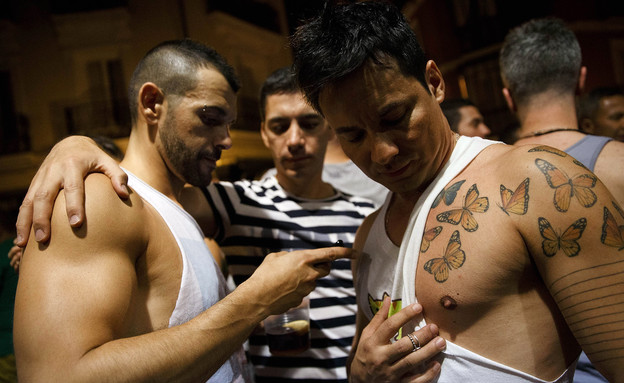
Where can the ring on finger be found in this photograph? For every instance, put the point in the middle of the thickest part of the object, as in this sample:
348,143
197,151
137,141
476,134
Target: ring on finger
415,342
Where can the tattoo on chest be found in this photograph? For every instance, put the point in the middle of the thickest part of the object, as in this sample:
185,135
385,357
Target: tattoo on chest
447,195
429,236
612,233
464,216
565,187
567,241
453,258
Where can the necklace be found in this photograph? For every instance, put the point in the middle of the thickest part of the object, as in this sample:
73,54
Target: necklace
542,132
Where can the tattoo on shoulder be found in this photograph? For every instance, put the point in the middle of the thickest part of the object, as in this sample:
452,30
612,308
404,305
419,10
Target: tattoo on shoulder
565,187
516,202
429,236
612,233
453,258
549,149
472,204
554,241
448,195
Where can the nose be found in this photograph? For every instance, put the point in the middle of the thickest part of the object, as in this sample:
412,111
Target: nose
484,130
383,149
223,139
295,136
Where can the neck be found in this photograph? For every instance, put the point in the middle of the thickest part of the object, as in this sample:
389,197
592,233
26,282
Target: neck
305,187
143,160
546,114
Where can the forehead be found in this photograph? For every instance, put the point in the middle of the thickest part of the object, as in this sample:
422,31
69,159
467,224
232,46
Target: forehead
287,105
612,102
370,90
213,90
469,111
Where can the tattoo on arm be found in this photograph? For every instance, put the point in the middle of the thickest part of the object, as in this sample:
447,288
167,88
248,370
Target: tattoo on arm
472,204
516,202
612,233
454,257
565,187
591,300
553,241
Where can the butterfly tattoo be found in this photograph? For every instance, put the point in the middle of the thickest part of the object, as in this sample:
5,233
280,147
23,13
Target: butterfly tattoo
454,257
553,241
516,202
428,237
612,233
448,194
472,204
565,187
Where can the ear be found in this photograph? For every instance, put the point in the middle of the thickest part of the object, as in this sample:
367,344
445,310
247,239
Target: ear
265,139
509,100
435,81
580,87
587,126
151,100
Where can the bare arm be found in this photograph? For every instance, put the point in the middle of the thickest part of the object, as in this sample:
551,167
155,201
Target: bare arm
75,296
574,232
65,167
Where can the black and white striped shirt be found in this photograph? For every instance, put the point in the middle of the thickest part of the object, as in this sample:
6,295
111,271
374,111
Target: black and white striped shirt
258,217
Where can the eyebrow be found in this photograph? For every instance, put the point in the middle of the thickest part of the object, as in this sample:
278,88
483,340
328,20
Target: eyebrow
311,116
221,113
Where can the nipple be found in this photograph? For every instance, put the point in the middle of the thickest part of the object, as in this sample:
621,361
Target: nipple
448,302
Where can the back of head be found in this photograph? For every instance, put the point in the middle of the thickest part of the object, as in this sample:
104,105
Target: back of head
173,65
589,104
281,81
345,36
451,107
540,55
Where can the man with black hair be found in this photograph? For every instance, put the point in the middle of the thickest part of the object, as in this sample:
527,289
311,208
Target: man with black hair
132,294
514,252
601,112
465,118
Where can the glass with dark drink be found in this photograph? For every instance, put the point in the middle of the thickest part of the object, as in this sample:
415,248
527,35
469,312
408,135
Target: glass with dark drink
289,333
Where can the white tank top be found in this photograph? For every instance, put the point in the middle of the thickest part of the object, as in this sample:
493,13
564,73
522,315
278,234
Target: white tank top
385,269
202,284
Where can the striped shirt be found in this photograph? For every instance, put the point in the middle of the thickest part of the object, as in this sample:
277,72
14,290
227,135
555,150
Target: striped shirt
258,217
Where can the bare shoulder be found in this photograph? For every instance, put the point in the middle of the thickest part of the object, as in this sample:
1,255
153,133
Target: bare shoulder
110,222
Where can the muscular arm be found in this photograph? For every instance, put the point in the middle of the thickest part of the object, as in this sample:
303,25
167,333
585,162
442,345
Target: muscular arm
76,297
577,249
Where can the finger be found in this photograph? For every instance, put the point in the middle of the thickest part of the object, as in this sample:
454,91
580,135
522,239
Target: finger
73,186
404,346
378,319
118,177
329,254
392,325
414,361
24,222
429,375
43,204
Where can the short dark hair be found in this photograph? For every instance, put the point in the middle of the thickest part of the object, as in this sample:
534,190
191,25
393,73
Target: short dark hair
172,66
451,107
346,36
539,55
589,103
281,81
